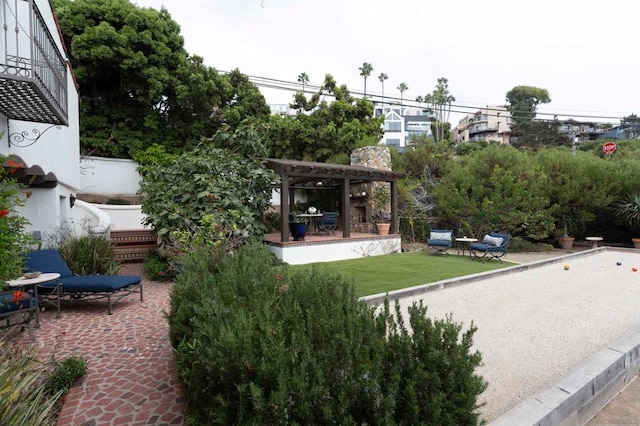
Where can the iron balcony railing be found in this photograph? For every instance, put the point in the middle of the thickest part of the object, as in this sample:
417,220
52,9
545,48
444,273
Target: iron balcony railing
33,72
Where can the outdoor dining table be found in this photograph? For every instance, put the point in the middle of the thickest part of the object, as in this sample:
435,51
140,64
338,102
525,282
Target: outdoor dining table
312,217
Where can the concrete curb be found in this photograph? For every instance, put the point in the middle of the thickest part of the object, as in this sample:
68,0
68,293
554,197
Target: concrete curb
583,392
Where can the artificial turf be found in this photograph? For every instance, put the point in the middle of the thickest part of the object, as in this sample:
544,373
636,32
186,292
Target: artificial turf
380,274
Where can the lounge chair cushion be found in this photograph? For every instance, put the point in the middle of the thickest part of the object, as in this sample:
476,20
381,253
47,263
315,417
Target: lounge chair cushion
95,283
492,241
48,260
446,236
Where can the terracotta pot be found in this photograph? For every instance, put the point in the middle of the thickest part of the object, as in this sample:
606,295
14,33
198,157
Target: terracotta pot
636,242
566,242
383,228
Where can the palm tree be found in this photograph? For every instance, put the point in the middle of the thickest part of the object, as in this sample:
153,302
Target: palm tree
365,71
402,88
304,79
382,77
419,100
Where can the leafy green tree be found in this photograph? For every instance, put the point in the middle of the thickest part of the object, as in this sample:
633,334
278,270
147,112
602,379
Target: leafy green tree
365,71
330,129
440,103
138,85
524,100
402,88
219,188
536,134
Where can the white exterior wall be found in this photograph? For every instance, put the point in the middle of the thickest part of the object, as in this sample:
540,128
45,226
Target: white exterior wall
109,176
327,252
57,151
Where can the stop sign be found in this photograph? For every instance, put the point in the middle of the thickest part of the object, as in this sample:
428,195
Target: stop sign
609,147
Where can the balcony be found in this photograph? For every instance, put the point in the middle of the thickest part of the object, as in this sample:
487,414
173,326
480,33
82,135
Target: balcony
482,129
33,72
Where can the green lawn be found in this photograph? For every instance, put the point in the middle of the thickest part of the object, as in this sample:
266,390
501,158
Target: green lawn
379,274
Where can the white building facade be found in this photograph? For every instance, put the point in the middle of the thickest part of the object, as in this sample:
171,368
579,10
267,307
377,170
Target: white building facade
401,123
39,122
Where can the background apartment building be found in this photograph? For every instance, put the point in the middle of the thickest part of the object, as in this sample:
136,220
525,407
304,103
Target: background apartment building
492,123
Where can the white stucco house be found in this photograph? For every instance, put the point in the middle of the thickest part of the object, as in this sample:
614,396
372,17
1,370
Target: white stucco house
39,104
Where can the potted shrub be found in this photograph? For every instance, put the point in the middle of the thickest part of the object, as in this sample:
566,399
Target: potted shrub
382,219
566,241
297,227
628,210
380,215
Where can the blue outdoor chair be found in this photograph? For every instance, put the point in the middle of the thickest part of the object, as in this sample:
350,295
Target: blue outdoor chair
17,308
440,240
493,246
88,287
328,222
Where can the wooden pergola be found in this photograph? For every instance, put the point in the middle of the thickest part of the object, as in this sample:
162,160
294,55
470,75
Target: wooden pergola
307,175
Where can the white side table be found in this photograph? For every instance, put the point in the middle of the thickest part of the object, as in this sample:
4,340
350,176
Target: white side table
28,282
594,241
465,242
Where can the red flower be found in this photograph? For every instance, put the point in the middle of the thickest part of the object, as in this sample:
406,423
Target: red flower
279,277
18,296
3,213
11,163
27,193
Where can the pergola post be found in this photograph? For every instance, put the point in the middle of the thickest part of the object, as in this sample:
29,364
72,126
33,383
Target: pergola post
284,209
346,207
395,219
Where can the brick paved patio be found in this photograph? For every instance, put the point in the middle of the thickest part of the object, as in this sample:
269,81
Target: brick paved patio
131,378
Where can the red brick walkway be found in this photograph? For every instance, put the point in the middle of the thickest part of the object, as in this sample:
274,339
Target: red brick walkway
131,378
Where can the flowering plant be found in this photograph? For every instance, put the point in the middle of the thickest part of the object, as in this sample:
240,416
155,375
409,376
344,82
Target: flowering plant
13,239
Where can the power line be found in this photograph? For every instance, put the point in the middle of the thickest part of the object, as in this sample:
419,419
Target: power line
459,108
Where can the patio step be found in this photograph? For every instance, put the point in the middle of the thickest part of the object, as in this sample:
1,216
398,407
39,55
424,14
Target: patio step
131,246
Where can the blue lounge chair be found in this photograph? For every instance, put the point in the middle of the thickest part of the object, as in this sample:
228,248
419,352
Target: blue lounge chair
493,246
440,240
88,287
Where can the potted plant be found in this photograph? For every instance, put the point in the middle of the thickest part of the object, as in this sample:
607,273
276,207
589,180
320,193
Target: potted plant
380,215
628,210
297,227
566,241
382,219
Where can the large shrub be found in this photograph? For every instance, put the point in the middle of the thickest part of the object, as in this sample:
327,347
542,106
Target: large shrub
222,179
581,187
496,189
258,345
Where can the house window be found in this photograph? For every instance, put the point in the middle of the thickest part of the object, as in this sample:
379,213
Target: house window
393,142
392,126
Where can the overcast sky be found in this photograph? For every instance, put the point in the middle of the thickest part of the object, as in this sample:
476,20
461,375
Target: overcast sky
585,53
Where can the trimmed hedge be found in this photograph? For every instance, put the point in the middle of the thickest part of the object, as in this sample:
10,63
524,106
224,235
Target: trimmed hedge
258,345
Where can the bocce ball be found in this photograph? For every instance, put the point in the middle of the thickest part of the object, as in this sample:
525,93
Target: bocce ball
618,263
566,266
634,269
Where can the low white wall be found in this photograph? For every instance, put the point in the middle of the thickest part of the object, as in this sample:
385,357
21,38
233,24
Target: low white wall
87,216
124,217
340,250
108,176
